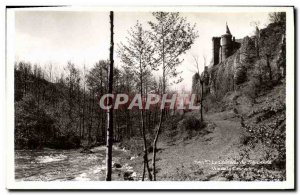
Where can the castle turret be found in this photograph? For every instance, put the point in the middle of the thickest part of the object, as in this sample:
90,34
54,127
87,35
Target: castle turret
223,47
226,44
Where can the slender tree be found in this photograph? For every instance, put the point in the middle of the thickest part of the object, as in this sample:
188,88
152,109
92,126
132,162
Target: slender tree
137,56
172,36
277,17
73,82
109,139
97,80
83,105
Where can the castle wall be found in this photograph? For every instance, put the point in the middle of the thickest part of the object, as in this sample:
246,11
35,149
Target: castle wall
215,49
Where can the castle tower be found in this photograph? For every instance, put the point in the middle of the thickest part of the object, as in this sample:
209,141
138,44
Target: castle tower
216,49
226,44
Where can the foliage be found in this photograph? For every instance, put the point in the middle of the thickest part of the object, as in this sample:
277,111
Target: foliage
240,75
172,36
252,89
33,124
269,109
137,54
272,132
267,135
69,107
277,17
211,102
249,173
192,123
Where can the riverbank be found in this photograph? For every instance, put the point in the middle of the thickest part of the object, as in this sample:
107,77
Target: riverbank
71,165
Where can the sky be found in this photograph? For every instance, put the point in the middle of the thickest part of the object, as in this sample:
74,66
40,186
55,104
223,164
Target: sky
56,37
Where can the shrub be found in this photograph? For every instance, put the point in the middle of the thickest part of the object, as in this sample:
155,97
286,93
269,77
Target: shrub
135,144
191,123
240,75
252,90
277,17
272,135
211,102
244,140
33,125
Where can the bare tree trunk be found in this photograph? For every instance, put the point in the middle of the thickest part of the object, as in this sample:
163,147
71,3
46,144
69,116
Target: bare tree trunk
160,120
201,101
257,46
146,161
102,114
269,67
79,109
91,116
144,171
109,139
83,109
155,144
149,121
88,121
161,116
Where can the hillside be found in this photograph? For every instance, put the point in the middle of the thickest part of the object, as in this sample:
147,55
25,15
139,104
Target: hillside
243,133
223,149
41,109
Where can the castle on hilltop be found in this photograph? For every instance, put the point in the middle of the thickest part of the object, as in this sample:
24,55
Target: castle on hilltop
223,47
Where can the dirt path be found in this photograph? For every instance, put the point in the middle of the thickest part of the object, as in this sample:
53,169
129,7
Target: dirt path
195,158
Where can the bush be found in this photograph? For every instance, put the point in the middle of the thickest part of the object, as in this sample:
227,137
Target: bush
252,90
272,135
277,17
191,123
211,102
135,145
69,141
172,121
245,140
240,75
33,125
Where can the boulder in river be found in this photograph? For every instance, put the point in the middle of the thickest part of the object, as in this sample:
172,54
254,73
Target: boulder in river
133,157
117,165
86,151
128,176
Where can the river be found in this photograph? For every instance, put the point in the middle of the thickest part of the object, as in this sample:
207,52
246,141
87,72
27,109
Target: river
69,165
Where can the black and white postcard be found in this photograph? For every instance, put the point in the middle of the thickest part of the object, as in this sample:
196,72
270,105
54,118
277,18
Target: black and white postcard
175,97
